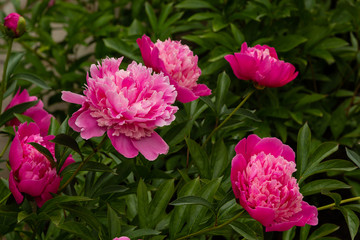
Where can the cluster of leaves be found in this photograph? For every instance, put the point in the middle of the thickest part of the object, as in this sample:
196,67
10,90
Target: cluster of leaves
188,190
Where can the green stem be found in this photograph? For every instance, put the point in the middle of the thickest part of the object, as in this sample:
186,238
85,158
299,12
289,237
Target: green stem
4,80
228,117
213,228
341,202
6,147
83,163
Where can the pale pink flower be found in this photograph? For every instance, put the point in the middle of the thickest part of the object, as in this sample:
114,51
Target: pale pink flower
261,180
261,65
40,116
177,62
128,105
31,172
15,23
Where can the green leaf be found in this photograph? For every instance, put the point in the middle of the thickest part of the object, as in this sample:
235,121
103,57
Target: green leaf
321,152
352,221
314,97
353,156
335,196
23,118
31,78
84,213
165,11
219,158
20,108
77,229
114,222
288,42
199,156
323,231
289,234
193,200
323,184
303,149
143,204
222,89
202,16
330,165
151,15
238,35
67,141
333,42
180,213
88,166
13,62
122,48
109,189
195,4
44,151
51,204
161,200
141,232
244,230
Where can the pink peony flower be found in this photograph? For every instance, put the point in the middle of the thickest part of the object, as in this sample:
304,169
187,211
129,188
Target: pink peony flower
261,180
128,105
31,172
261,65
15,23
41,117
177,62
121,238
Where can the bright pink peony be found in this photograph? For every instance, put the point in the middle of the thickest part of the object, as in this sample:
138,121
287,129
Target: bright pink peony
15,23
177,62
261,180
31,172
41,117
128,105
121,238
261,65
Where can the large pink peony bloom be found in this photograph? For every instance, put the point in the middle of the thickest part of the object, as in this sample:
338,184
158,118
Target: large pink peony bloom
41,117
15,23
31,172
261,180
261,65
177,62
128,105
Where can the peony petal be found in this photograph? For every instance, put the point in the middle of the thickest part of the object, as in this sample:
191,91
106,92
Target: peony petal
32,187
89,126
185,95
72,97
14,189
271,146
123,144
151,146
288,153
264,215
15,153
202,90
51,187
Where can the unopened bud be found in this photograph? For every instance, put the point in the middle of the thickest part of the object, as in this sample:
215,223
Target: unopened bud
15,25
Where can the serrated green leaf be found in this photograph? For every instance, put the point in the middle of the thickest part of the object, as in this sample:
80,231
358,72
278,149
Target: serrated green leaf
323,184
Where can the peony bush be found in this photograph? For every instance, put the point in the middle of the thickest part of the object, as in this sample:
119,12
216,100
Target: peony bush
86,87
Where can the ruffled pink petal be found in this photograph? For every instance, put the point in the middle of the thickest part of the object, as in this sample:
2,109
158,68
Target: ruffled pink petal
123,144
151,146
88,125
237,165
145,44
72,97
15,153
202,90
14,189
271,146
41,117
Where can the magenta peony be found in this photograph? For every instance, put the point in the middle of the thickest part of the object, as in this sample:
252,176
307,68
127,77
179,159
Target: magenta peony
128,105
15,23
261,65
121,238
31,172
177,62
261,180
37,113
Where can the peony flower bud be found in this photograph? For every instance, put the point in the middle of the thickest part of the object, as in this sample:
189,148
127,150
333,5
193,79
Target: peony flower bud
262,182
128,105
15,24
31,172
177,62
261,65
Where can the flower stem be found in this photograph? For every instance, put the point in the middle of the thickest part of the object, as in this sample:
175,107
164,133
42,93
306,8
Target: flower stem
213,228
341,202
230,115
83,163
4,80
